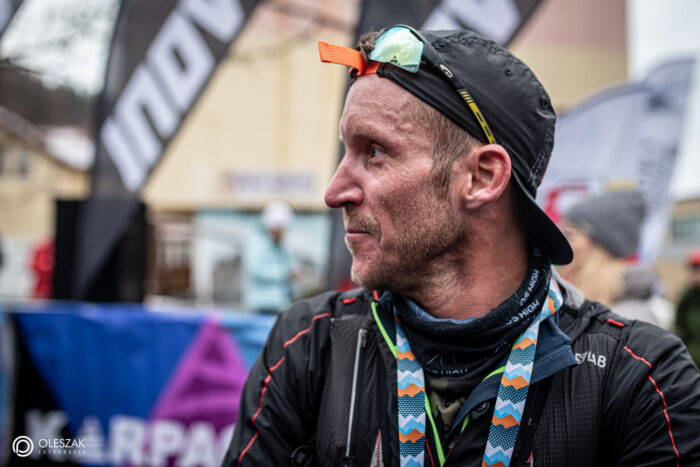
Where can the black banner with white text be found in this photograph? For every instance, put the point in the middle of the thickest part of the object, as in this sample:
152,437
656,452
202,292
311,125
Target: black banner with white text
163,54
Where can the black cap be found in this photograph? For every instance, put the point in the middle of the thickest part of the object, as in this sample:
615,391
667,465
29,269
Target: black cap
513,102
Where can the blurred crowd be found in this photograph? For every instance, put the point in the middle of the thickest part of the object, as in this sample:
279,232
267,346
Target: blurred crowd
604,232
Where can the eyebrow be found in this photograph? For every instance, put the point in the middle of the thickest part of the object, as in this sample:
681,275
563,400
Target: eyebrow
372,134
372,131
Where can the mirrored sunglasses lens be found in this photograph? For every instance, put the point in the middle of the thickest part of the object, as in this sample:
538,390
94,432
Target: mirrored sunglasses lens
399,47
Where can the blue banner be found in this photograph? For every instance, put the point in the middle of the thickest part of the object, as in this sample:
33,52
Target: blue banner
125,385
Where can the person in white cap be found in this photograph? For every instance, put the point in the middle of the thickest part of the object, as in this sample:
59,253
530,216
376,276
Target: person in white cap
267,266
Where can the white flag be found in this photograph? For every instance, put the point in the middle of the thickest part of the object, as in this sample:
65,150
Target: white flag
625,137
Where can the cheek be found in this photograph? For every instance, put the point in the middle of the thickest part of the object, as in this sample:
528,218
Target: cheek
399,202
581,246
399,197
407,187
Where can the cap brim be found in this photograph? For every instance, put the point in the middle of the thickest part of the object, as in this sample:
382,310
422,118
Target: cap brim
543,231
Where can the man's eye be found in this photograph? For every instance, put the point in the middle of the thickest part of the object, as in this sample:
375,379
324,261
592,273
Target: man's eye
374,151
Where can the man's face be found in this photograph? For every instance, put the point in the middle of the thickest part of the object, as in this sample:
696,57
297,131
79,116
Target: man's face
277,234
396,223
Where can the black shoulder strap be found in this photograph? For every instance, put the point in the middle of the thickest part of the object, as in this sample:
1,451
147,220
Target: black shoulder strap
336,400
349,315
536,402
353,302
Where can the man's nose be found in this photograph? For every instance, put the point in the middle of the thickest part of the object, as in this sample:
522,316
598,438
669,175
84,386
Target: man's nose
343,189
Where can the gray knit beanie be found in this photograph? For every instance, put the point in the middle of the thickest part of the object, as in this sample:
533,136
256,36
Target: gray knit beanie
613,220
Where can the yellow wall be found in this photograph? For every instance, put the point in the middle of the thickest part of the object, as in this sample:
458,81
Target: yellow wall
271,108
575,47
27,203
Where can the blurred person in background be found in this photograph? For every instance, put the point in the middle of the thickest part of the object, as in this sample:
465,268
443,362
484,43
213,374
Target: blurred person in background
267,266
604,233
43,261
688,313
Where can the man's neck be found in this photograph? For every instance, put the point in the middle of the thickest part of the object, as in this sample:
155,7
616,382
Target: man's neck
476,287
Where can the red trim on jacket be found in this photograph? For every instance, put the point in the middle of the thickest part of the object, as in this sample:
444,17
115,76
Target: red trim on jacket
637,357
616,323
269,377
301,333
663,399
264,389
250,443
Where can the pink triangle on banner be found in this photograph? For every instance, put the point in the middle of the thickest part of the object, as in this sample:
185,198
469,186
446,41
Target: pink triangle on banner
207,382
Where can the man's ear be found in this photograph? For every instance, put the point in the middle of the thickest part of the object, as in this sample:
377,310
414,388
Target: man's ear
489,172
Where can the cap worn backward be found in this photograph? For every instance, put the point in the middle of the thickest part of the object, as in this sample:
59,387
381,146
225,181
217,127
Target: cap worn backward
512,100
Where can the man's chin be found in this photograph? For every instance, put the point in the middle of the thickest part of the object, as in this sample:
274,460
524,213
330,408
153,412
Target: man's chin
356,277
361,276
368,278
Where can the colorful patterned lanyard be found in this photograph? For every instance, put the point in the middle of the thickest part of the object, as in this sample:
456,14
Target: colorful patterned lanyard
510,402
412,401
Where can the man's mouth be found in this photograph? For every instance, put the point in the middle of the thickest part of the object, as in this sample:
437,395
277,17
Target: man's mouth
351,230
358,225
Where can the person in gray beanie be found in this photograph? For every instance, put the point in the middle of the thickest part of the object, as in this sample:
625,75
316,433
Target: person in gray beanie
613,220
604,232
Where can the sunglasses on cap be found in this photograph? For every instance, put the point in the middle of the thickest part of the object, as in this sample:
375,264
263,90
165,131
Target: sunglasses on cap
406,48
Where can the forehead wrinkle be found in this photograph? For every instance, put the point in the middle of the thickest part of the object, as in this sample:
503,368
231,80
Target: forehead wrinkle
381,115
362,128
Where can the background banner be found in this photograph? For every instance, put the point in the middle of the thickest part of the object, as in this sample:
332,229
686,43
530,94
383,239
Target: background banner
122,385
7,11
162,56
499,20
626,137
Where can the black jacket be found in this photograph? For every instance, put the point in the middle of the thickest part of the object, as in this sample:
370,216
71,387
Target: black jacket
633,399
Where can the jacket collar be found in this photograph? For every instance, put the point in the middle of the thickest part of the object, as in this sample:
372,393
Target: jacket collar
553,352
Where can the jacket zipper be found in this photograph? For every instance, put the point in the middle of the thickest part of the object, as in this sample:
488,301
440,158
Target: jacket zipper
350,458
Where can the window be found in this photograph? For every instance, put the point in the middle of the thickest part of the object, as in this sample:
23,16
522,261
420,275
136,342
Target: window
686,229
23,164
